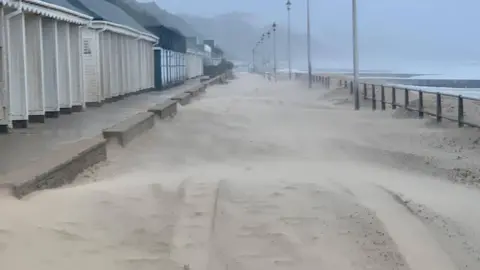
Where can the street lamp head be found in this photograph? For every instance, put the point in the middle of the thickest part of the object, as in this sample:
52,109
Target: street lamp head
288,4
274,26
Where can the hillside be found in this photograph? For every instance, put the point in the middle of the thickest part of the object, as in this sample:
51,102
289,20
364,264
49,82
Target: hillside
236,33
150,14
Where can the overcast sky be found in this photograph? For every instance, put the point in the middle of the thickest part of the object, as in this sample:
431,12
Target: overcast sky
426,30
265,10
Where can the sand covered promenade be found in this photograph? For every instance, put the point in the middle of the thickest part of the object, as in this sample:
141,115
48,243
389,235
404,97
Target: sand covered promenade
261,175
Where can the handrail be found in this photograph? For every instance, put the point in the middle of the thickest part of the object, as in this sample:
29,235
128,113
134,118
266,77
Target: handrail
371,92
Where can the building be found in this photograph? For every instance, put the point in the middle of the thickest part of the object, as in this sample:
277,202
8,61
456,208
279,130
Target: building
41,65
117,52
60,56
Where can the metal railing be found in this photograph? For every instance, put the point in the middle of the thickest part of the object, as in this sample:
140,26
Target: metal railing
324,80
437,105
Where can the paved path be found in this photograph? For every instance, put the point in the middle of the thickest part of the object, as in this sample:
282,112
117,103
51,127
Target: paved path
256,175
23,146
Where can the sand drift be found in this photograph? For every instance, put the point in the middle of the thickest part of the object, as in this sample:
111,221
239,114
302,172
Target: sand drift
260,175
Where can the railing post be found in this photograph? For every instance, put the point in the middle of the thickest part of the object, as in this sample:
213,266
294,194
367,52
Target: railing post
374,101
460,111
439,107
365,91
394,98
406,98
420,104
351,88
382,96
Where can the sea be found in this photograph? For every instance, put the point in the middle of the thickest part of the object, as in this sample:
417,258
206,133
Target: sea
463,80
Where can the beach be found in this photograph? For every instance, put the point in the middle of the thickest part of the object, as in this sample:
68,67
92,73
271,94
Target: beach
257,174
449,99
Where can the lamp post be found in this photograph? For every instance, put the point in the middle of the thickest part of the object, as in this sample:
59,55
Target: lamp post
274,28
355,55
253,60
289,4
262,52
268,52
308,46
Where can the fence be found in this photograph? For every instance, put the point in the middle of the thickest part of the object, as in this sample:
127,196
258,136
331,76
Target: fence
457,108
324,80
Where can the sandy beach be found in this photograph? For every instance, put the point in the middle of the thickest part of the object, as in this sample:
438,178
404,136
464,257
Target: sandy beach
259,175
449,104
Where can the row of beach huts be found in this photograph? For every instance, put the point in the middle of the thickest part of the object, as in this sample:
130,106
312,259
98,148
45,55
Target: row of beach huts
61,56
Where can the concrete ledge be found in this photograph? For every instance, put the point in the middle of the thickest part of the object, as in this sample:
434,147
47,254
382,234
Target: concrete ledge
214,80
183,98
200,88
166,109
128,129
57,168
229,75
194,90
223,79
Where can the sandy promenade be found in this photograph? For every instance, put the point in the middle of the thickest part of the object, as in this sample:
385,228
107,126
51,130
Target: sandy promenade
261,175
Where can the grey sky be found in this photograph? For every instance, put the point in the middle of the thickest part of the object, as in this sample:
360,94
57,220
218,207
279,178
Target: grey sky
425,30
265,10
